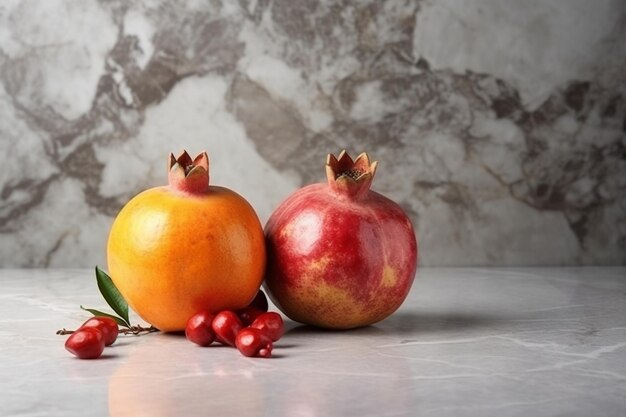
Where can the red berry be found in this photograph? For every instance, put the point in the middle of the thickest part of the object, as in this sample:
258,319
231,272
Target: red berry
106,325
226,325
259,302
199,330
86,343
253,342
249,314
271,324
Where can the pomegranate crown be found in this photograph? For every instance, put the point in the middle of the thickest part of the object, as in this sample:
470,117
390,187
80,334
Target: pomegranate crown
189,175
350,177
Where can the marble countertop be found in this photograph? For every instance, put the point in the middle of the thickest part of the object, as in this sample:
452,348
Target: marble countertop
467,342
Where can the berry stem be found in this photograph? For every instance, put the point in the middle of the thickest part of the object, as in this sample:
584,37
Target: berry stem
134,330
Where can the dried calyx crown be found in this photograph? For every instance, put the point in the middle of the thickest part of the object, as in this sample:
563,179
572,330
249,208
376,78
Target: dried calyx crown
348,177
189,175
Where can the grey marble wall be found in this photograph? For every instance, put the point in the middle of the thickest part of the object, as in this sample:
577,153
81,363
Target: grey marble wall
499,125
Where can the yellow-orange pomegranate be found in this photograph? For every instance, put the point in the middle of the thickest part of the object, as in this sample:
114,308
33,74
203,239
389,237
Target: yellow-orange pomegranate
189,246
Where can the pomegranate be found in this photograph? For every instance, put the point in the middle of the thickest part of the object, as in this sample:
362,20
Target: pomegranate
339,254
186,247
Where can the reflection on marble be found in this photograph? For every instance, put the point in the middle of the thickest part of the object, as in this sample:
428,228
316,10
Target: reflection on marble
467,342
500,127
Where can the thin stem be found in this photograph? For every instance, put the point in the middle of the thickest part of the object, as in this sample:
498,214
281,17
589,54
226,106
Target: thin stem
134,330
138,329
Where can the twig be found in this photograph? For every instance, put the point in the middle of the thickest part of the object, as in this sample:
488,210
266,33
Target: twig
134,330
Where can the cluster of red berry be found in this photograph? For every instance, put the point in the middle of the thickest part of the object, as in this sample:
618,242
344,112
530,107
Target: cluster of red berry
89,340
252,330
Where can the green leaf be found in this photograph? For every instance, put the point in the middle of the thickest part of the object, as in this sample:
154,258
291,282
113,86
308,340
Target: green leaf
97,313
111,294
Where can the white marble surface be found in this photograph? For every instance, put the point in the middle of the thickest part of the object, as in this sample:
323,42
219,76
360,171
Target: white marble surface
498,124
468,342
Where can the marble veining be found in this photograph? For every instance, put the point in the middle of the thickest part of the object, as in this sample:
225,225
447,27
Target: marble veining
499,126
467,342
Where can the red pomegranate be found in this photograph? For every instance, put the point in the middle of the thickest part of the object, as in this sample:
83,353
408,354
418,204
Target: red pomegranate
339,254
